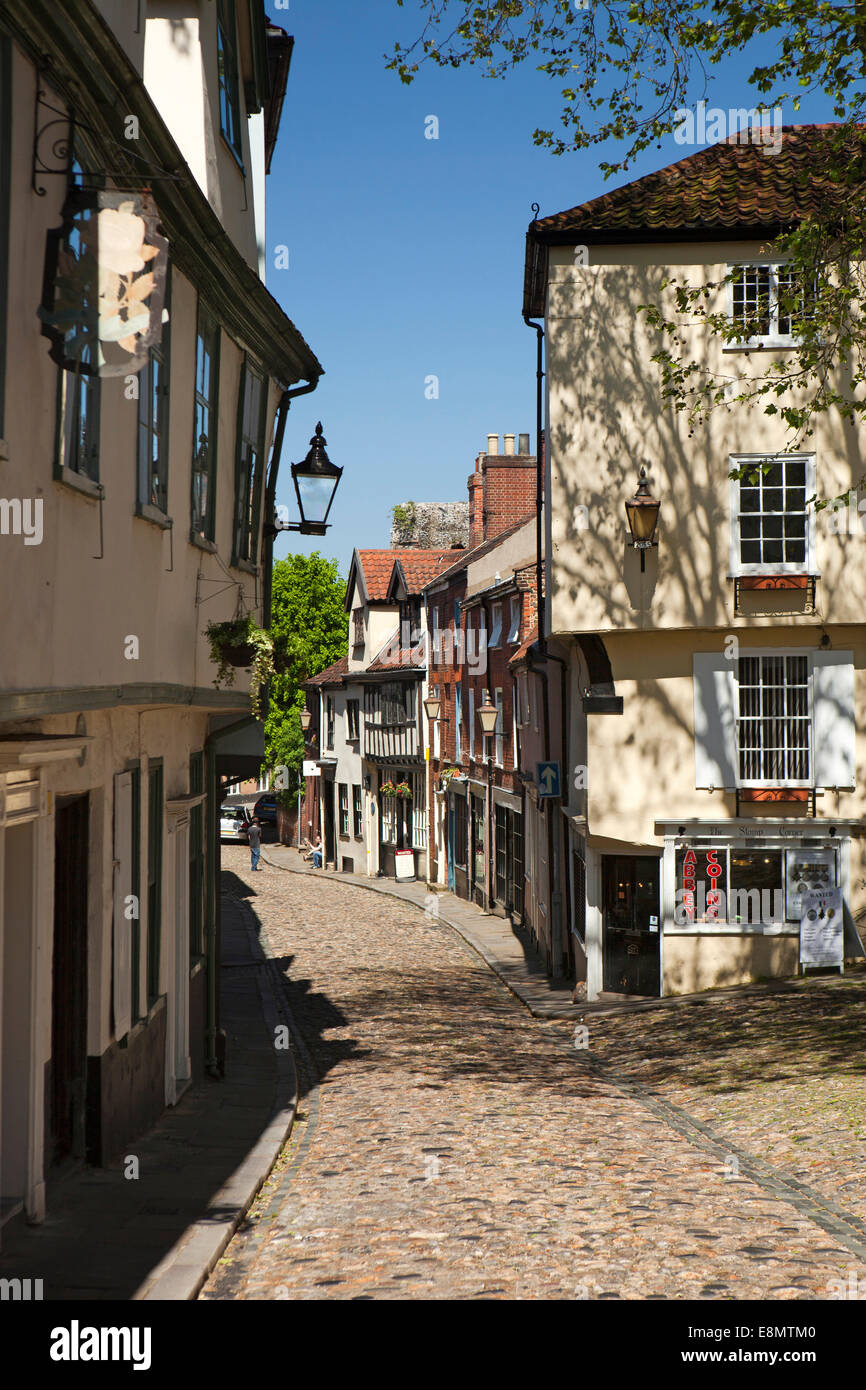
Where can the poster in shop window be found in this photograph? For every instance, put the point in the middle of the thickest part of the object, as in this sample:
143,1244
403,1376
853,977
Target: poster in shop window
821,927
807,868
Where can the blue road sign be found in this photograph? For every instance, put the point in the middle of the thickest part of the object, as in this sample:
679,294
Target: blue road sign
547,777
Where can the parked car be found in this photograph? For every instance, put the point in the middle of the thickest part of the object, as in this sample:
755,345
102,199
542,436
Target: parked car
235,823
266,808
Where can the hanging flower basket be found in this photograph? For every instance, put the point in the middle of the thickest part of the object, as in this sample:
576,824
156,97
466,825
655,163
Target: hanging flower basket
388,789
242,643
240,656
404,791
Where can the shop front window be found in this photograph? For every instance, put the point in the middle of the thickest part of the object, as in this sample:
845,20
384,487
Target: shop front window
748,887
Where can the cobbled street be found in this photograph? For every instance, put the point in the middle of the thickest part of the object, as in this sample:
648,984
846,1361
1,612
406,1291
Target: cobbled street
448,1145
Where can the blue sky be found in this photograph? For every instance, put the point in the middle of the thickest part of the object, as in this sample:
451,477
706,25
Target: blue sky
406,254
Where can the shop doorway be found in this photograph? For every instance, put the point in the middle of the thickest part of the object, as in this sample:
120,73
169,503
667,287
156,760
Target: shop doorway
329,791
478,862
69,981
630,908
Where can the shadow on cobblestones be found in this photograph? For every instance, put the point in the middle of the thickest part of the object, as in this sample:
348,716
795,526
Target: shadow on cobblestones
733,1044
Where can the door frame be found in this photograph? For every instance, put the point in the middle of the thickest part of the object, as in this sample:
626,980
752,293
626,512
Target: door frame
607,861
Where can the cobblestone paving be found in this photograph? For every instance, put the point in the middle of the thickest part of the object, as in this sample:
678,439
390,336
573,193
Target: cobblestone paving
782,1075
455,1147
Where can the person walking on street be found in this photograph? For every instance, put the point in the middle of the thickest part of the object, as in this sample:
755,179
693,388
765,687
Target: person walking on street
255,842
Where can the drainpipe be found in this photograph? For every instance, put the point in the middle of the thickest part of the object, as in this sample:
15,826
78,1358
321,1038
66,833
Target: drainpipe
552,855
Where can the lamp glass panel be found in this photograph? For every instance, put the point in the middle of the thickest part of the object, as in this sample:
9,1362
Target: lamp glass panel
315,493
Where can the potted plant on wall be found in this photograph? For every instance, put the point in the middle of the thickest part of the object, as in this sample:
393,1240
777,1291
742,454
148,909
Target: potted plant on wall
242,643
446,776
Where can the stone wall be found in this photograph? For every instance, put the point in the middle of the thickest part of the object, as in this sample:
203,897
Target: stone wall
431,525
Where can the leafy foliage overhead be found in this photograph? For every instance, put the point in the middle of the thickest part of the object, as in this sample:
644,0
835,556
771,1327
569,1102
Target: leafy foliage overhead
632,71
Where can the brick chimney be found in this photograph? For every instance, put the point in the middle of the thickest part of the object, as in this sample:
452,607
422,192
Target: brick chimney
476,503
508,487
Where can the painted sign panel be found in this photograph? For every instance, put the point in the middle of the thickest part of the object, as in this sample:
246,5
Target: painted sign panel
821,927
547,777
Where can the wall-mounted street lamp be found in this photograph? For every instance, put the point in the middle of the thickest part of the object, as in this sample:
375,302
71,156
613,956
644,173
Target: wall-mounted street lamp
432,707
642,512
315,482
306,720
488,715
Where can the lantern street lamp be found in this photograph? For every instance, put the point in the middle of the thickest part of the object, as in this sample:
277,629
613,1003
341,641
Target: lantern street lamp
432,706
315,482
642,512
488,714
306,720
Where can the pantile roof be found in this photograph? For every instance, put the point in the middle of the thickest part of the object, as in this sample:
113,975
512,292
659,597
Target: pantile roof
523,652
394,657
752,188
332,675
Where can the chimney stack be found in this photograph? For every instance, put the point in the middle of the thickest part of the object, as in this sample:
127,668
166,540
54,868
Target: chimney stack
509,445
523,444
493,443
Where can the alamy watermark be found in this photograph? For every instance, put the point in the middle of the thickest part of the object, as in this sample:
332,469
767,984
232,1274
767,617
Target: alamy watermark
708,125
750,906
22,516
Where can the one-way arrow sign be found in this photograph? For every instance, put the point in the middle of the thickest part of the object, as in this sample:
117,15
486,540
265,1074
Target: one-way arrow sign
547,776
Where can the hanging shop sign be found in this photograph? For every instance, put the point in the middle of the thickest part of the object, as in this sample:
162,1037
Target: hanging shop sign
821,927
104,283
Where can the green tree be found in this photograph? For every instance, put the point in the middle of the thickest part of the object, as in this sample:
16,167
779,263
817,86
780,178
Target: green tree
309,630
633,71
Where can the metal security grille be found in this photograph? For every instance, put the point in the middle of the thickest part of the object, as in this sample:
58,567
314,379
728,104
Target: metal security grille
773,513
774,723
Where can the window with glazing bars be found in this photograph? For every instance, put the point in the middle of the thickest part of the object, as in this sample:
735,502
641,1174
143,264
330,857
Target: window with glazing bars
774,721
227,70
250,458
79,393
766,300
204,448
357,813
773,516
153,404
344,809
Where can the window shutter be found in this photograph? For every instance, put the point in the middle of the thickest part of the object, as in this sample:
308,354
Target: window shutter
833,718
123,889
715,722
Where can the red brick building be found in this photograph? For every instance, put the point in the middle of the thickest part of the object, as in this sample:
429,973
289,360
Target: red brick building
479,613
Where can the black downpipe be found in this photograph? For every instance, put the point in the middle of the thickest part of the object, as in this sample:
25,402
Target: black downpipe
543,655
